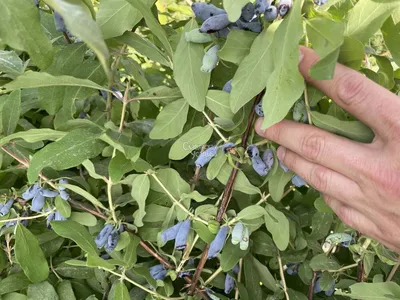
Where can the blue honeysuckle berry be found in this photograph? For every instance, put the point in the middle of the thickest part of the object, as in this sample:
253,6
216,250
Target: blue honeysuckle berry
259,166
62,181
6,207
268,158
218,243
261,6
317,286
36,2
25,222
237,233
229,284
228,146
205,157
331,290
210,59
284,7
228,86
170,233
254,26
82,115
59,22
59,217
253,151
50,218
158,272
248,12
182,236
195,36
236,269
105,256
204,11
283,167
103,94
320,2
31,192
271,13
102,237
298,181
292,269
64,195
116,94
210,293
222,34
244,243
259,110
38,202
184,274
112,241
215,23
48,193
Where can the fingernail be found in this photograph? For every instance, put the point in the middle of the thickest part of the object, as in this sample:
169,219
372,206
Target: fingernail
301,56
281,153
257,126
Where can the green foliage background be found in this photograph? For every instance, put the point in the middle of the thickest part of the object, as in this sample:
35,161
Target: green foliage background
131,161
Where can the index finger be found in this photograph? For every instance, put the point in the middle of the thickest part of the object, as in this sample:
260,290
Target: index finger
367,101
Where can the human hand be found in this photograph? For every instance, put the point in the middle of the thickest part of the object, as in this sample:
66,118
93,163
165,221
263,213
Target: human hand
360,182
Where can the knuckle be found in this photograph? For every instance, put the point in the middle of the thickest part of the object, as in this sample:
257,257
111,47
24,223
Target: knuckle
319,178
350,89
312,146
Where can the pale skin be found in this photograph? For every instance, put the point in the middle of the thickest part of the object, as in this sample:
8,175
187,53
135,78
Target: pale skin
360,182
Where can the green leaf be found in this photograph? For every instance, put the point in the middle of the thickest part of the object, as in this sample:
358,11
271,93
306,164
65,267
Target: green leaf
278,225
85,195
265,275
295,295
153,24
129,258
29,255
119,165
11,64
190,141
114,17
192,82
321,206
367,17
230,256
258,64
42,291
63,207
41,79
326,281
65,291
83,218
354,130
20,29
76,232
237,45
277,184
123,241
251,212
369,291
14,282
242,184
119,291
234,8
321,225
155,213
68,152
263,244
15,296
140,191
391,34
170,121
203,231
218,103
321,262
326,36
252,279
10,112
78,19
77,271
144,47
285,84
351,53
96,262
34,135
215,165
171,179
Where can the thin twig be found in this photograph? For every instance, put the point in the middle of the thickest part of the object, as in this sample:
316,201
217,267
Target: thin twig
282,276
212,124
213,275
239,279
27,218
344,268
124,104
311,287
307,104
393,272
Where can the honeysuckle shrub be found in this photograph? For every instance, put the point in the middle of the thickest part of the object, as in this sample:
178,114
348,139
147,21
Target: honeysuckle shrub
130,168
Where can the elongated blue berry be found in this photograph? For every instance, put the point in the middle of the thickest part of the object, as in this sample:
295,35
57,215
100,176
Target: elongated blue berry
62,181
268,158
206,156
170,233
82,115
6,208
236,269
292,269
25,222
228,86
298,181
261,6
244,243
215,24
59,217
253,26
228,146
59,22
320,2
64,195
271,13
259,166
112,241
229,284
284,7
248,12
210,59
331,290
204,11
158,272
103,235
317,286
218,243
195,36
222,34
31,192
184,274
48,193
237,233
253,151
38,202
183,233
50,218
259,110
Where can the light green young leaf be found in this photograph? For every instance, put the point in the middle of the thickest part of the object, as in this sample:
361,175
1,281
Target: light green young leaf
14,282
129,258
237,45
192,82
65,291
277,184
351,53
215,165
11,64
114,17
29,255
119,165
153,24
285,84
391,34
140,191
10,112
265,275
321,262
258,64
354,130
63,207
94,261
367,17
85,195
234,8
372,291
42,291
16,296
89,166
78,19
20,29
76,232
218,103
203,231
230,256
251,212
278,225
119,291
83,218
34,135
68,152
170,121
190,141
123,241
242,184
41,79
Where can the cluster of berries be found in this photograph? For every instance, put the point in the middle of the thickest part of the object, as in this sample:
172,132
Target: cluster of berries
108,237
262,165
5,209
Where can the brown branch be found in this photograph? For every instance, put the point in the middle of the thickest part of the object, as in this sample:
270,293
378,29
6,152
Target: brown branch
67,38
227,195
311,287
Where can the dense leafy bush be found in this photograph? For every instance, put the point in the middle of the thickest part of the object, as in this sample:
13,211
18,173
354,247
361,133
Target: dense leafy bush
130,168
